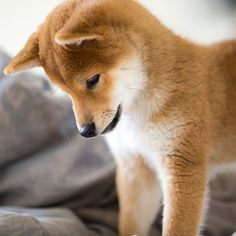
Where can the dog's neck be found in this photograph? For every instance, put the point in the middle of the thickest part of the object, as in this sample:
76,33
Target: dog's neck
169,63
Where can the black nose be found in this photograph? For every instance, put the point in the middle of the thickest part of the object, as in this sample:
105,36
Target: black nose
88,130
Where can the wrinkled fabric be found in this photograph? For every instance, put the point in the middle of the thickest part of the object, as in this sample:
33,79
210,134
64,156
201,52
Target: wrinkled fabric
54,183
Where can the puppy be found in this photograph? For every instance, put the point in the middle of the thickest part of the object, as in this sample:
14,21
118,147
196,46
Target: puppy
166,105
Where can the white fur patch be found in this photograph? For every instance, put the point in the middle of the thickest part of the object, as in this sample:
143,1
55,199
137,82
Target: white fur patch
129,78
130,81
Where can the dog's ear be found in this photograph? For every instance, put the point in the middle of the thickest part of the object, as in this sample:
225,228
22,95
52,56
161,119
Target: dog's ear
79,29
69,38
27,58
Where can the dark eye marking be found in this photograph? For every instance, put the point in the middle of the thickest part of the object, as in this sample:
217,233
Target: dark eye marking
93,81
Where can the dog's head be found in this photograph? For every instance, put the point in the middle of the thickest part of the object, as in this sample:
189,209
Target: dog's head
89,50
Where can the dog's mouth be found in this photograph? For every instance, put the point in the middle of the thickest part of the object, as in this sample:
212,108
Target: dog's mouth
114,122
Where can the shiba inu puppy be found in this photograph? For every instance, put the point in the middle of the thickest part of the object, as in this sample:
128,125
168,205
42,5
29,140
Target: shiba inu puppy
166,105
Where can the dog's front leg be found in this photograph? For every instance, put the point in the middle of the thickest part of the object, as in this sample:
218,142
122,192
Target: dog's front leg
183,178
139,196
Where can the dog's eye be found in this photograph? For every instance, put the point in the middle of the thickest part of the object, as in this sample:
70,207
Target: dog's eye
93,81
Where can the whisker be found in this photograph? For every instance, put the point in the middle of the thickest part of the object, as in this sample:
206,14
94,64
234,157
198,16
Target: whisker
110,110
137,89
131,68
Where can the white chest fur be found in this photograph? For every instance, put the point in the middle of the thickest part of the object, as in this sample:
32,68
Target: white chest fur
133,137
127,137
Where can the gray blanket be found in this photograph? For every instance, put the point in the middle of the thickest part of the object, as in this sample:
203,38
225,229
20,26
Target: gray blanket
54,183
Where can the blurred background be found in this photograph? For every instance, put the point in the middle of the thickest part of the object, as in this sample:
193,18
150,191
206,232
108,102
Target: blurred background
19,19
54,183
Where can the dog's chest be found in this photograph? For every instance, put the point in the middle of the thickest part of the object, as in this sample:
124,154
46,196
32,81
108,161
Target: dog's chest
131,137
127,137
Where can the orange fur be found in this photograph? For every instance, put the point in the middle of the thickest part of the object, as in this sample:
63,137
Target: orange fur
179,124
